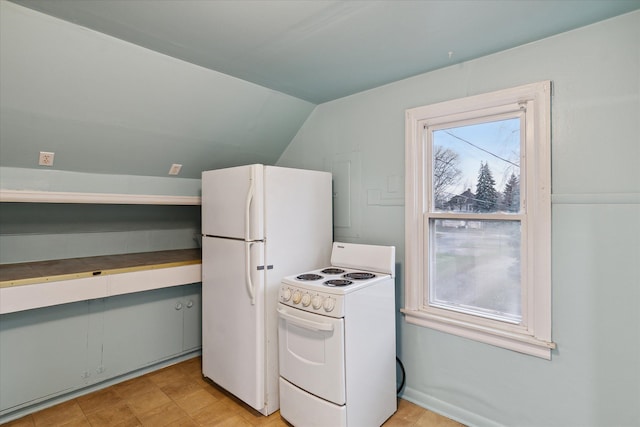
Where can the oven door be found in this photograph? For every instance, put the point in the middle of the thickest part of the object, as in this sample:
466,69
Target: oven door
311,352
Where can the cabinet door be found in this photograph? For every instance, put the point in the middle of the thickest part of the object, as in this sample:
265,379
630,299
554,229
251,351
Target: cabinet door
141,328
192,316
43,352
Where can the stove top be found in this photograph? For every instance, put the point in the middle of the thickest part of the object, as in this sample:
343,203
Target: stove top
352,267
334,279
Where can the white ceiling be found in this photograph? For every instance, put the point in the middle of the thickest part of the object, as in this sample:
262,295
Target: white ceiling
322,50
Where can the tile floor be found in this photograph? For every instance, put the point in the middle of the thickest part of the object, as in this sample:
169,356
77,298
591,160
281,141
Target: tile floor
179,396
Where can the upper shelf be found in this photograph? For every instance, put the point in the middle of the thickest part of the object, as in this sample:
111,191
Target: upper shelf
26,196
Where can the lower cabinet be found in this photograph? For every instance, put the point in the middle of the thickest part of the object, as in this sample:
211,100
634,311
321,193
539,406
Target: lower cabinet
192,309
42,353
50,351
140,329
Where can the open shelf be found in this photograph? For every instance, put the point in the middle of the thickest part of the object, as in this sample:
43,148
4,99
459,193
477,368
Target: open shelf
29,196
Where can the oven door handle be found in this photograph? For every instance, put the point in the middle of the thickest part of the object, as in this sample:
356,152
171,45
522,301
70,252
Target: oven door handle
304,323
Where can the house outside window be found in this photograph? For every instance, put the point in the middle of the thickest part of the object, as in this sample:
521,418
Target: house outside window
478,218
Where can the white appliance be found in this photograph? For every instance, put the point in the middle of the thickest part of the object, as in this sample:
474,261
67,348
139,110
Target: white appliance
259,224
337,346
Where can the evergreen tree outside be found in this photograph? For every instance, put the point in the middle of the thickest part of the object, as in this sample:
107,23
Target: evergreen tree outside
486,193
511,195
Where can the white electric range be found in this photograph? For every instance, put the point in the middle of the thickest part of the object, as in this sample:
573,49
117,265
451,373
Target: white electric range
337,340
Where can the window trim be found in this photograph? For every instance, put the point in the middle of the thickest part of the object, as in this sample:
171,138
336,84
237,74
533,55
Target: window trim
535,337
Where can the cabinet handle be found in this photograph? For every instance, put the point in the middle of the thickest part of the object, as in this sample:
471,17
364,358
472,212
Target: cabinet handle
179,306
190,304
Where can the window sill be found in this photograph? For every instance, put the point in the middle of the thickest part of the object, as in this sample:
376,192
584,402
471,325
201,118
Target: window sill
512,341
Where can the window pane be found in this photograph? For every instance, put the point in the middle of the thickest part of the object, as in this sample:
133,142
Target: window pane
475,267
476,168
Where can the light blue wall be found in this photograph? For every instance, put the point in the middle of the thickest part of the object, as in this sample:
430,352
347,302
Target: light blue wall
593,378
47,231
44,179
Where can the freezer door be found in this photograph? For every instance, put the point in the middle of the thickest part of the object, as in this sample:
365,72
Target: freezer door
298,220
233,318
233,202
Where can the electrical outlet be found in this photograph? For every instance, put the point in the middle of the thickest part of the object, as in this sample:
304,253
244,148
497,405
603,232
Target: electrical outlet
46,158
175,169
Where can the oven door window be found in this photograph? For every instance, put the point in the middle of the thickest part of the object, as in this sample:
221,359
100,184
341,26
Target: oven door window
311,352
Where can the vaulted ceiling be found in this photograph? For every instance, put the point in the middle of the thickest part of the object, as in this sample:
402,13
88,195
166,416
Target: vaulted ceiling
322,50
132,86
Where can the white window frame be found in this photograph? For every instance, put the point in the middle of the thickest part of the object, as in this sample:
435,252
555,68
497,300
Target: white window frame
533,335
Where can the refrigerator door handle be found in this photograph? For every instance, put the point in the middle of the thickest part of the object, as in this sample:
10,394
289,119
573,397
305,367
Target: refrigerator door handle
247,211
247,263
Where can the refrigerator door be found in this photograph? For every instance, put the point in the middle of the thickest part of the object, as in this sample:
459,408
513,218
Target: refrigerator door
233,203
298,220
233,318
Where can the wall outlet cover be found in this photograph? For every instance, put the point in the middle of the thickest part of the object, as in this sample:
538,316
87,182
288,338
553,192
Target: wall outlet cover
46,158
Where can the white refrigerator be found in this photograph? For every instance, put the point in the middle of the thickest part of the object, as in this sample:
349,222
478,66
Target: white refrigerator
259,224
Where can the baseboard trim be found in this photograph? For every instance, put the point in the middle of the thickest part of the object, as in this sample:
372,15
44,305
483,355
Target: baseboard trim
446,409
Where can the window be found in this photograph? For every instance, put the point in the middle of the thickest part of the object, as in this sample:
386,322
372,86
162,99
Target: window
478,218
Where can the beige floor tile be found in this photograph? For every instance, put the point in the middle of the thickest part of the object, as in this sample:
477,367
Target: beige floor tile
398,422
213,389
134,387
203,381
179,390
214,414
278,422
58,415
254,417
167,376
76,422
101,399
179,396
129,422
141,403
235,421
194,402
431,419
407,414
269,421
110,416
192,367
184,422
164,415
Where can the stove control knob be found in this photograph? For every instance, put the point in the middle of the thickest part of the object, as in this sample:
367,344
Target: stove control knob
297,296
286,294
306,300
316,302
329,304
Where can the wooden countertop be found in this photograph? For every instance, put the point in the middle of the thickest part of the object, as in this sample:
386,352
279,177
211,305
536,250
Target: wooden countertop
27,273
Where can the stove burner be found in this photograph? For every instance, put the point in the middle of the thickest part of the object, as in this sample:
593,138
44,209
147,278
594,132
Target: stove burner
359,275
309,276
338,282
332,271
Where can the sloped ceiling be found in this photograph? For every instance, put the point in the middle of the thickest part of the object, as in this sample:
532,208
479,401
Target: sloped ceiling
130,87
